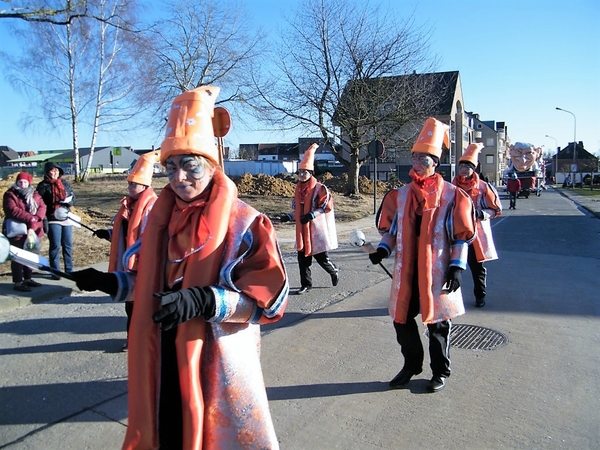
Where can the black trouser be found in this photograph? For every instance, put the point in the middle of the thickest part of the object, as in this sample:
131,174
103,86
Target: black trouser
513,199
409,339
479,272
129,312
304,263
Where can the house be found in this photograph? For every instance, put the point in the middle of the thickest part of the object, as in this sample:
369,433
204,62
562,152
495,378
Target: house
493,155
401,117
575,160
6,154
105,160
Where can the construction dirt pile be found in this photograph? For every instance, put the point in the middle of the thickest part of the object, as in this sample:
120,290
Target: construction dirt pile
284,185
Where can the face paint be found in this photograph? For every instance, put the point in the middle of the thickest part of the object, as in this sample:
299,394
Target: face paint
189,164
424,160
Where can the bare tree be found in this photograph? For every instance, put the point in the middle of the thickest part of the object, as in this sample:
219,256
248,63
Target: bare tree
77,73
333,75
199,43
56,13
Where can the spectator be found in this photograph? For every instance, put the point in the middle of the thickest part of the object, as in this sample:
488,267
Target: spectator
312,210
57,193
21,203
130,221
210,271
429,223
487,206
513,187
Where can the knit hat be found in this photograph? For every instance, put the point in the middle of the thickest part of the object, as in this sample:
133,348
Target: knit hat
190,126
471,154
144,168
431,138
308,160
25,176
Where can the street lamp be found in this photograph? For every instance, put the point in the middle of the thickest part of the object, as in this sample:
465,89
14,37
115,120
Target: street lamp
556,161
573,168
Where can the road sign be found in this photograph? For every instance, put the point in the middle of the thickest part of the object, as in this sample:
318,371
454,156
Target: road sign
221,121
376,148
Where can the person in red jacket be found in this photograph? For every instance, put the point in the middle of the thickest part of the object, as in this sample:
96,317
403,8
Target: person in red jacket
22,203
513,186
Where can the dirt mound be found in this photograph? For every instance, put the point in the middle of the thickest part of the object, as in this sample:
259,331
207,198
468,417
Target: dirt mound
284,185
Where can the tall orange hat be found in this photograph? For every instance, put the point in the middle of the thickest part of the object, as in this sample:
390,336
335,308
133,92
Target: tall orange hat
190,127
471,153
431,138
308,160
144,168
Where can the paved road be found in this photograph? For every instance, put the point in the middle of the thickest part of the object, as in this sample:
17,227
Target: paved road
327,363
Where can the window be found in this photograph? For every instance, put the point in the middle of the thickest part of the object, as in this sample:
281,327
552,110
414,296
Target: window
489,159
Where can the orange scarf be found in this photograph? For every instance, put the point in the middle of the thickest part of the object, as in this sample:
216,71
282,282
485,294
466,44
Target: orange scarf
194,253
303,196
133,212
468,184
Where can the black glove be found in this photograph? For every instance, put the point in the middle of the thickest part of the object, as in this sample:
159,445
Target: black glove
306,218
378,255
94,280
102,234
479,214
284,218
453,278
180,306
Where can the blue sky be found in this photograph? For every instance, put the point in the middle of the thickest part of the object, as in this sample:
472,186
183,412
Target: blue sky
518,61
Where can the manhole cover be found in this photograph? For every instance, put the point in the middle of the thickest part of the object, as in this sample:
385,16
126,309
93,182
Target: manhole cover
472,337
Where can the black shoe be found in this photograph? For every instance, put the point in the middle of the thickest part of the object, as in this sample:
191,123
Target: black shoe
335,278
32,283
479,302
54,277
436,384
303,290
403,377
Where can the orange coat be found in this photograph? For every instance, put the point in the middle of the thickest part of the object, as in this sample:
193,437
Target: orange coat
447,227
135,215
319,235
486,199
221,243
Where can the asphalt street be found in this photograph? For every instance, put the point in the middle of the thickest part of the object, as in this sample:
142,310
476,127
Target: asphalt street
532,385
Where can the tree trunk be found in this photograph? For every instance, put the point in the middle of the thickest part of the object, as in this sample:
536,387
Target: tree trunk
353,171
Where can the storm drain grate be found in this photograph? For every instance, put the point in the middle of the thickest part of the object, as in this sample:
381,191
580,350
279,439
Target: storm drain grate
472,337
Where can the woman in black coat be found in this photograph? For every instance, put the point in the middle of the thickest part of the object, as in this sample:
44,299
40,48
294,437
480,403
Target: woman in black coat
57,193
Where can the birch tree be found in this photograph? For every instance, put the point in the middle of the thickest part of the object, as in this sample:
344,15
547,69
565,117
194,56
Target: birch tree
80,73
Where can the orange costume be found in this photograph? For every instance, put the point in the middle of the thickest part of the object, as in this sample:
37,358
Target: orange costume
446,228
429,223
133,213
312,210
487,206
200,385
486,199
